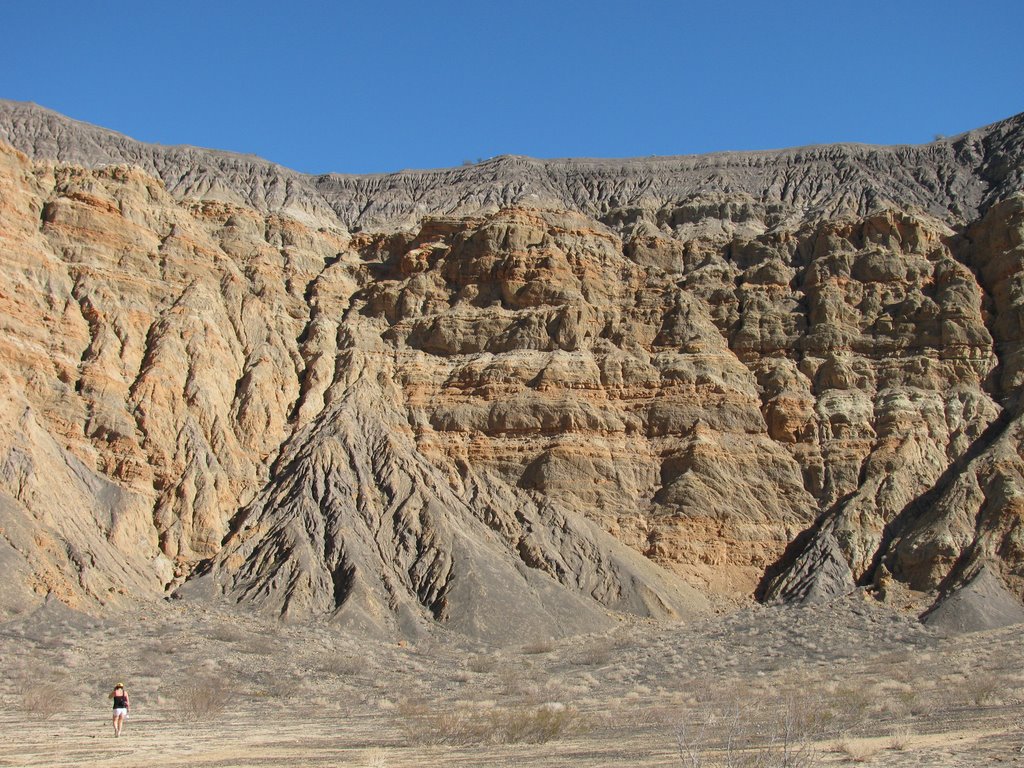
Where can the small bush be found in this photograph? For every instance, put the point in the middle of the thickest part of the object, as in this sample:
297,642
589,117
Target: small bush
44,700
982,689
851,705
461,727
482,663
900,738
202,699
342,666
539,647
260,645
856,752
595,654
163,646
740,734
226,633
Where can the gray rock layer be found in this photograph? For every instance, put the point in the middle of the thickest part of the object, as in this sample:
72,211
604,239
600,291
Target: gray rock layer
952,179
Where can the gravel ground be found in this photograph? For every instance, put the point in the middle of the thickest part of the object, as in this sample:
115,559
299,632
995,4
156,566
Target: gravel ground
854,682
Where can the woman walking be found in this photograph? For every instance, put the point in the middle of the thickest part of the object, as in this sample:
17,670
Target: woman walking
121,707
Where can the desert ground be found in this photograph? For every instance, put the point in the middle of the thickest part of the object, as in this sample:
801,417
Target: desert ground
854,682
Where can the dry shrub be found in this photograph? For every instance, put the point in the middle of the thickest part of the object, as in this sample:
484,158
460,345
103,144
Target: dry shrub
423,725
163,646
518,681
226,633
342,666
260,645
482,663
856,752
539,647
45,699
909,701
982,689
742,734
900,738
851,705
596,653
202,698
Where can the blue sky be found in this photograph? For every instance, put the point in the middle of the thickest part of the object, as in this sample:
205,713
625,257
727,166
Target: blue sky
380,86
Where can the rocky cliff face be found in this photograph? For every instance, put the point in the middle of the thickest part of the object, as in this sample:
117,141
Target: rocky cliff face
515,397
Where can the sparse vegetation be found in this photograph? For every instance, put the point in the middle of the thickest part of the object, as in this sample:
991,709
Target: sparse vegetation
44,700
482,663
595,653
982,689
259,645
423,724
225,633
202,698
342,666
741,733
900,738
856,751
539,647
692,696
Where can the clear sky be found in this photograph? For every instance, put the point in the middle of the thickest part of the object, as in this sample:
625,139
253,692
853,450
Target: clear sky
380,86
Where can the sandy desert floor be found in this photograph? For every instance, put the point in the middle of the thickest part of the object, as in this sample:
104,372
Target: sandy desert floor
851,683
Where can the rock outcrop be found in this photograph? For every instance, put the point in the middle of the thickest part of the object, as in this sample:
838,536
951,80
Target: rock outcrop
952,179
512,398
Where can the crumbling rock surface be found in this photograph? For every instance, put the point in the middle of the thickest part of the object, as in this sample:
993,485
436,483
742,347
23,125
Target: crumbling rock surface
952,178
528,395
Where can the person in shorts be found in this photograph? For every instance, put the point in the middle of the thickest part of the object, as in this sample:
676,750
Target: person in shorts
121,707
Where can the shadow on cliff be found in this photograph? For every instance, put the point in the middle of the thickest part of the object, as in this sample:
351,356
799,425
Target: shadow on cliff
904,520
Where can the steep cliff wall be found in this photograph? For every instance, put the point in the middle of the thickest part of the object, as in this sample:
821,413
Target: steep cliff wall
528,394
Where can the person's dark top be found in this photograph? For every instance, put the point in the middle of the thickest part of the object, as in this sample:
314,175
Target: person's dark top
121,702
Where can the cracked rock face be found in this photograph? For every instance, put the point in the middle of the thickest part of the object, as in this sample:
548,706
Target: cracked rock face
526,396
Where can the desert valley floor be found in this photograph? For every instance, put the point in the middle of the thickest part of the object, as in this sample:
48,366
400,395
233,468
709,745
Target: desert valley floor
854,682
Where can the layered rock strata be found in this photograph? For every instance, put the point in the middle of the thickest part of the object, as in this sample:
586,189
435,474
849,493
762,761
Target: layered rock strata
529,395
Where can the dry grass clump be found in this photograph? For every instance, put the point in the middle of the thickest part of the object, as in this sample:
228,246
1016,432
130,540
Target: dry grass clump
45,699
851,705
202,698
163,646
855,751
342,666
225,633
982,689
482,663
539,647
595,653
742,733
260,645
900,738
424,725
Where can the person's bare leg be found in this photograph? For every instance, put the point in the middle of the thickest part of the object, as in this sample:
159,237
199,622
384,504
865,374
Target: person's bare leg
116,731
118,722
